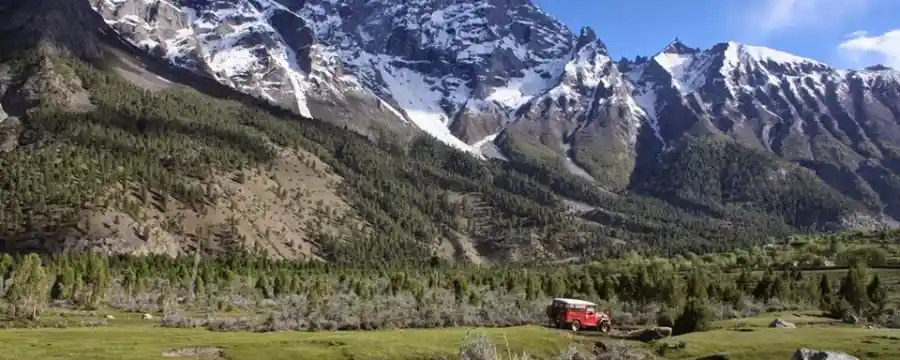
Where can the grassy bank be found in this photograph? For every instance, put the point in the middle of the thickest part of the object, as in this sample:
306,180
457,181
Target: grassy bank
146,341
766,343
130,337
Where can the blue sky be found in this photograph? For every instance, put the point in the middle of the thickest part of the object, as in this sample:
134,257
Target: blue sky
843,33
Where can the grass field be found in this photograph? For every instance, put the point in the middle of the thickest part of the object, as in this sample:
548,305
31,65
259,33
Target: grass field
766,343
129,337
752,339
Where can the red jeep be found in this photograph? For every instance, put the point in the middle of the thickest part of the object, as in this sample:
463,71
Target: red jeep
576,315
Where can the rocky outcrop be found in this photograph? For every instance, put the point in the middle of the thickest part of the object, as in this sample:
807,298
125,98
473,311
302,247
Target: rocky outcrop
850,318
809,354
652,334
10,127
781,324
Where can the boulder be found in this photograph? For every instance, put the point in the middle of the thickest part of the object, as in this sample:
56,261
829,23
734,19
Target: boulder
653,334
110,317
147,317
810,354
600,347
781,324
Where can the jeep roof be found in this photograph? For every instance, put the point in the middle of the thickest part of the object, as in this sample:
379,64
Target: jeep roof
575,302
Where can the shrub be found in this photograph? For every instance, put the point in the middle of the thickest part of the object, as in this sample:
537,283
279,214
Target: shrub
178,321
695,317
621,351
481,348
666,317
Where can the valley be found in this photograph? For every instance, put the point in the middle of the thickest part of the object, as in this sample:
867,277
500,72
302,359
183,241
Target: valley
243,307
568,153
349,179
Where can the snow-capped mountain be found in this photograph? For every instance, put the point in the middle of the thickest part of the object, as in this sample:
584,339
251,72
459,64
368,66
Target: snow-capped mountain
842,124
776,101
507,76
455,69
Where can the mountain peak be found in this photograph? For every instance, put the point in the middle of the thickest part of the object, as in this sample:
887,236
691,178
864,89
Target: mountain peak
588,36
679,48
878,67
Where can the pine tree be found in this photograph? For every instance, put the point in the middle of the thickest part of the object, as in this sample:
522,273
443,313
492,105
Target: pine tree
764,288
826,296
57,291
694,317
607,290
28,292
853,287
877,294
129,282
532,288
587,286
97,279
744,281
264,286
460,290
696,286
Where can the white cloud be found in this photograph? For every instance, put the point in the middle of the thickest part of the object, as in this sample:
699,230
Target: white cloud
861,47
765,17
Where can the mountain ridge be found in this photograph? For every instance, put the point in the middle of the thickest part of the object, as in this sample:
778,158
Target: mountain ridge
475,76
735,153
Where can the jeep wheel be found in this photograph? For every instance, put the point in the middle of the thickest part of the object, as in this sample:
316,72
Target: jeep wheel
576,325
604,327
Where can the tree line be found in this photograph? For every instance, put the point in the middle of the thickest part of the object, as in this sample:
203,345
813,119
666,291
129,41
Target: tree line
682,299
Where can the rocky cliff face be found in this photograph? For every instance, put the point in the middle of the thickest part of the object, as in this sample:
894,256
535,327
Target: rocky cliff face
475,74
841,124
459,70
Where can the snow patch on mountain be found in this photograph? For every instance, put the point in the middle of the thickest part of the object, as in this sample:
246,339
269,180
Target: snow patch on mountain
480,144
733,68
421,103
297,79
738,53
521,90
678,65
